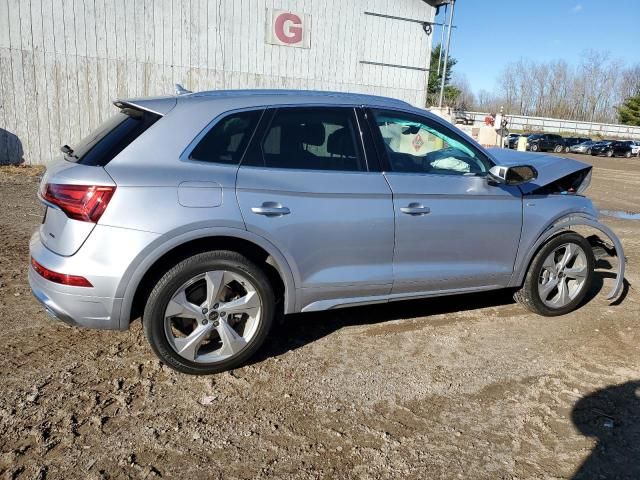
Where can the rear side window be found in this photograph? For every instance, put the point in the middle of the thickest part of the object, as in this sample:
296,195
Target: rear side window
228,139
111,137
311,138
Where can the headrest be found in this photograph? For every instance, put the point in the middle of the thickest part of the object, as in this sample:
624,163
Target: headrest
312,133
341,143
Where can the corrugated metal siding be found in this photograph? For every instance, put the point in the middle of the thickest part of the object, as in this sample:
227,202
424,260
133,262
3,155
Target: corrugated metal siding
62,62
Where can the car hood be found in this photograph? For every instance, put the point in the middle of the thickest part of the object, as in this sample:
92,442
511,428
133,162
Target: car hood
550,168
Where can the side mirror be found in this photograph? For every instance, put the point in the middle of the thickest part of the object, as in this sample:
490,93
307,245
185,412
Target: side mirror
516,175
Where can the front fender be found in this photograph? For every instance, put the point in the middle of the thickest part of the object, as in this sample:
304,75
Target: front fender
563,224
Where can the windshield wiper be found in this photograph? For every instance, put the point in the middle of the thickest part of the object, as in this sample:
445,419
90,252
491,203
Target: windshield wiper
67,150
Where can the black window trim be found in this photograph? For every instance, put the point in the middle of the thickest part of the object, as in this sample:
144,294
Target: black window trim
368,139
382,152
269,115
186,153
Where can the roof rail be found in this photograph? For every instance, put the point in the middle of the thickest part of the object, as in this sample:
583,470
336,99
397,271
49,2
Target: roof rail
363,97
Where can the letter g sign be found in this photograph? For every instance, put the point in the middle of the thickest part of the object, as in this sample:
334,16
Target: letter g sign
288,29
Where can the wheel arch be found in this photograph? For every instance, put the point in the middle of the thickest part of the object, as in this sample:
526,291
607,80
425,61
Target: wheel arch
562,225
162,254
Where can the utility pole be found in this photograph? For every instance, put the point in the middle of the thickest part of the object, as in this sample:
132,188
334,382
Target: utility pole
441,41
446,54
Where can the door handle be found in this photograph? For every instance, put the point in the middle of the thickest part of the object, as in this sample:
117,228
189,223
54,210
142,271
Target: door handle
415,208
271,209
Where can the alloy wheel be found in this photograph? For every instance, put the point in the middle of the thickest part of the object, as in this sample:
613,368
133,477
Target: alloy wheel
213,316
563,275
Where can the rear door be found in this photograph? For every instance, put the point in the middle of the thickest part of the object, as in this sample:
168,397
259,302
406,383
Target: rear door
454,231
304,185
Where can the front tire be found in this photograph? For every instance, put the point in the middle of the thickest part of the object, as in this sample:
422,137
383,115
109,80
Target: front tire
609,153
559,276
627,155
209,313
535,147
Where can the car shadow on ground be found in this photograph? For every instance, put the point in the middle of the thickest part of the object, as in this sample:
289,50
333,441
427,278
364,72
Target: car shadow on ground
612,417
297,330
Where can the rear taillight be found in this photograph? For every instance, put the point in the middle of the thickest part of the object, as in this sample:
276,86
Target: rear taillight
86,203
61,278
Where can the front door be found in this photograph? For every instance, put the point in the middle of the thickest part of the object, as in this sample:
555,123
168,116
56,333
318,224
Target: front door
304,185
454,231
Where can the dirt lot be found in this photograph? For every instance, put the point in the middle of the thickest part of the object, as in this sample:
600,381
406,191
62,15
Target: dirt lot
463,387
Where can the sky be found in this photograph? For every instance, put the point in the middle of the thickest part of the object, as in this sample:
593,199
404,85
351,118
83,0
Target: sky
538,30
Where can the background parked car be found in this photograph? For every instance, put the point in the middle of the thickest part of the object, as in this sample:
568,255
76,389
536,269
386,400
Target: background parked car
571,141
584,147
635,147
612,148
511,140
464,118
544,142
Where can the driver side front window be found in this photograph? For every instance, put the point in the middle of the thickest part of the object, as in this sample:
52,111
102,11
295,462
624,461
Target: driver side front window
414,145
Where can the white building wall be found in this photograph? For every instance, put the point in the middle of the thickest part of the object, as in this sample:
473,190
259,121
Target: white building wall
62,62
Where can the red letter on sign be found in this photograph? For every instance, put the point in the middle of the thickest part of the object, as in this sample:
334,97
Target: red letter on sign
294,30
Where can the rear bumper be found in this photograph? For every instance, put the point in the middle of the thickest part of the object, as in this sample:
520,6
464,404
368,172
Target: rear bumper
77,310
103,259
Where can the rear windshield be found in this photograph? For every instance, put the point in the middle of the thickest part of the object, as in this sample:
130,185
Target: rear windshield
111,137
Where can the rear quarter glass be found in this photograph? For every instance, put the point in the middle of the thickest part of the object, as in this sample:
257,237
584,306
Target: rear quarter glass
111,137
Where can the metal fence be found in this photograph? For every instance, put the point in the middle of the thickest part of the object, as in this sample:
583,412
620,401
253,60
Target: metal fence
555,125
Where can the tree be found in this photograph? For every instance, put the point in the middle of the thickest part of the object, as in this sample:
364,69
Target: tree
629,111
591,91
435,78
459,93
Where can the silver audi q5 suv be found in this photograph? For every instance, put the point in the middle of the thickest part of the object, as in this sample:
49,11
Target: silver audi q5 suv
210,213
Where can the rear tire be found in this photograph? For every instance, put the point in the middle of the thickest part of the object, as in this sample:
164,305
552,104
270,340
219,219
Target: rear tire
209,313
551,288
589,152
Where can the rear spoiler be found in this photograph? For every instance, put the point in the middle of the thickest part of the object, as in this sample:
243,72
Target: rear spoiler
157,105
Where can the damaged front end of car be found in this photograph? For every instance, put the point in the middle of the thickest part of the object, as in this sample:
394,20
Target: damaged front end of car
554,203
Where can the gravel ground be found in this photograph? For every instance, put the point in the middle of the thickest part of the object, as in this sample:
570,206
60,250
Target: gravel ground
462,387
